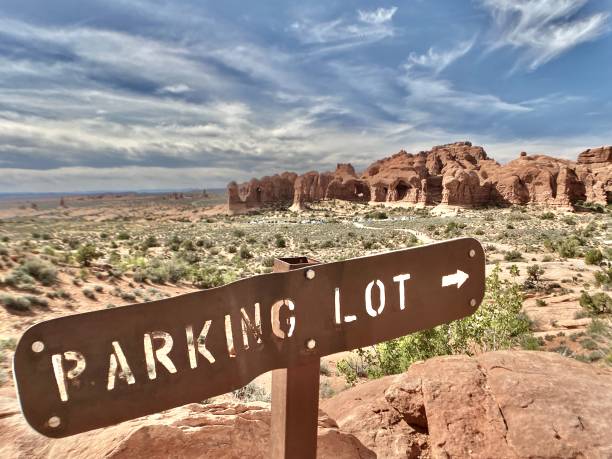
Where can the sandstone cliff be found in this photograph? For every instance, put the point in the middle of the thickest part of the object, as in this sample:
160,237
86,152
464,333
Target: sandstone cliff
455,174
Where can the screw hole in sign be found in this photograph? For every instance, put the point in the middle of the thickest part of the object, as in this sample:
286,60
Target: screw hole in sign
38,346
54,422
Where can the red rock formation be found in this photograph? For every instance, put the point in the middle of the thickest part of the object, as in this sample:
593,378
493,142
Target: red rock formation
457,174
505,404
260,192
225,430
594,170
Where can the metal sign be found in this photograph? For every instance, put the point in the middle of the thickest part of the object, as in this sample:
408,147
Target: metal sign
95,369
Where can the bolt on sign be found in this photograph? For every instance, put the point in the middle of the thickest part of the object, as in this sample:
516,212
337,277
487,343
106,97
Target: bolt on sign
91,370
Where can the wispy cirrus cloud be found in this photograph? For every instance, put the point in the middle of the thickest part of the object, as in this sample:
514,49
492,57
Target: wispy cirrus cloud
543,29
439,60
341,33
425,87
377,16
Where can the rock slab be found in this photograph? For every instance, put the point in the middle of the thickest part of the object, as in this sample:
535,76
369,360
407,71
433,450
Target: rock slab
225,430
506,404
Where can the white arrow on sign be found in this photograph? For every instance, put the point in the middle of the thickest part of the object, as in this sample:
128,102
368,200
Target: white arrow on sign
458,278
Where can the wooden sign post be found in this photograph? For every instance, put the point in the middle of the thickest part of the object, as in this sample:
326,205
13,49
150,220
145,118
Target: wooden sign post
92,370
295,395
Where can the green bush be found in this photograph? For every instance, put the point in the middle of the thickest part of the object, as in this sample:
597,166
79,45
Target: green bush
268,262
603,278
530,343
593,257
245,253
599,303
534,274
209,277
497,324
43,271
150,241
37,301
513,255
377,215
86,254
19,279
568,248
16,303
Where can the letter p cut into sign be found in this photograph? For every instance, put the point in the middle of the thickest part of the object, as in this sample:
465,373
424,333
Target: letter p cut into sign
91,370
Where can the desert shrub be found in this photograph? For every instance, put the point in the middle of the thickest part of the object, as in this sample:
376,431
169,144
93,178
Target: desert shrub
245,253
232,249
89,293
593,257
568,248
540,302
43,271
18,278
86,254
534,274
589,344
497,324
513,255
353,367
238,233
603,278
37,301
598,303
123,236
453,228
598,327
268,262
16,303
252,393
8,344
377,215
188,245
569,221
149,242
209,277
128,296
547,216
280,242
3,250
530,343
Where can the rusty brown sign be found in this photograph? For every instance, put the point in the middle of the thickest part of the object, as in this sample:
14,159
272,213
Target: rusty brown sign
95,369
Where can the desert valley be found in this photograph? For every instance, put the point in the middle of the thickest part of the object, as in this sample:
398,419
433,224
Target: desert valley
545,225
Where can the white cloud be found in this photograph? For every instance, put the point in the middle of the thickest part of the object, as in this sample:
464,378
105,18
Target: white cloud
377,16
438,61
340,33
544,29
440,94
426,89
176,89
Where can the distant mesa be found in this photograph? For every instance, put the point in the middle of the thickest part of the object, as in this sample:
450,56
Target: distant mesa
456,174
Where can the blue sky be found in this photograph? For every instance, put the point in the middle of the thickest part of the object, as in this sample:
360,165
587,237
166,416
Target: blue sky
137,94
